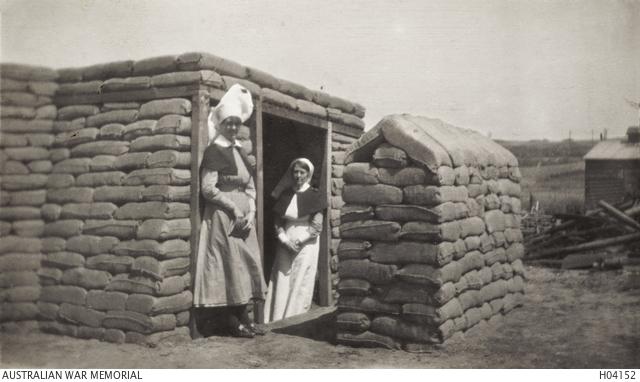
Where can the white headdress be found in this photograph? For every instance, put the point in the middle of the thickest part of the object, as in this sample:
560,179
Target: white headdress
236,102
287,180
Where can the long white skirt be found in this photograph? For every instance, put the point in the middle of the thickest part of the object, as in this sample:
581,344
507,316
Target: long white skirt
293,276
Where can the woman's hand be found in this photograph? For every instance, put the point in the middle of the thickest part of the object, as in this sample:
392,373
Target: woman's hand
237,213
292,246
247,221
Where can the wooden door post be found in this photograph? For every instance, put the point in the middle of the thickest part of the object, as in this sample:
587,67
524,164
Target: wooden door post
199,141
324,269
258,312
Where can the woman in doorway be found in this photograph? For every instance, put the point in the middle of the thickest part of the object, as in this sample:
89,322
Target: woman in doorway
229,267
298,215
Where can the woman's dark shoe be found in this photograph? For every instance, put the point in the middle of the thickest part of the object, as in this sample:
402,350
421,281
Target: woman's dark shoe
242,331
258,330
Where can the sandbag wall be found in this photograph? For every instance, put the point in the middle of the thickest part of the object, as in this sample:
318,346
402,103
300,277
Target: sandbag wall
217,72
113,218
339,144
430,229
26,135
116,240
94,217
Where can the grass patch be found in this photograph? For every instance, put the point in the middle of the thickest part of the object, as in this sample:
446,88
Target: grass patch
557,188
532,153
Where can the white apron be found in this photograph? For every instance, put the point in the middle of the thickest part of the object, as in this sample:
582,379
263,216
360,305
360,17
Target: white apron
293,276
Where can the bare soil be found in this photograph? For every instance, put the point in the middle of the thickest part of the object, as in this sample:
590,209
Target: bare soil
571,319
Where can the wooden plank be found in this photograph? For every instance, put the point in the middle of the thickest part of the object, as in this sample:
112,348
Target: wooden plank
258,315
630,238
600,260
324,268
259,176
351,131
633,211
310,120
552,263
137,95
339,138
590,213
534,240
300,319
619,215
293,115
582,261
602,231
199,140
580,218
551,241
539,242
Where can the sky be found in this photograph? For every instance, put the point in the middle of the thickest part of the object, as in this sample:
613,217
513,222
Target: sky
510,69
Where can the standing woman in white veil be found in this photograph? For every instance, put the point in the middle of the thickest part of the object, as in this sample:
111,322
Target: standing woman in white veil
298,222
229,266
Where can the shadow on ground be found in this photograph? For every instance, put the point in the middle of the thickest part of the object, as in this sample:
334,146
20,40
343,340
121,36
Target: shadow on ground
320,328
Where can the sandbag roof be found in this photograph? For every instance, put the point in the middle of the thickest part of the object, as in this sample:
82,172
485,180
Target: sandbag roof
254,79
431,142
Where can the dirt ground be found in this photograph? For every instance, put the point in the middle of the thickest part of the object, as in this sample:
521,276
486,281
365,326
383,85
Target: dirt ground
571,319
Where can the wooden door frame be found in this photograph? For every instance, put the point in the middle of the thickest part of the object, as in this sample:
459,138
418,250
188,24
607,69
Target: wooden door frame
324,258
200,138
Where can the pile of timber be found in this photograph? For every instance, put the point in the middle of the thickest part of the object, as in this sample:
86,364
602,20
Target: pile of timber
608,236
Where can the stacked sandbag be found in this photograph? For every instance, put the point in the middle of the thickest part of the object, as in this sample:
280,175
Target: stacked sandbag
25,138
339,145
116,238
199,68
155,73
95,188
430,234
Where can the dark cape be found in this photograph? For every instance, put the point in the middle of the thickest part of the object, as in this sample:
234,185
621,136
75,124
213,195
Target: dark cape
218,158
309,202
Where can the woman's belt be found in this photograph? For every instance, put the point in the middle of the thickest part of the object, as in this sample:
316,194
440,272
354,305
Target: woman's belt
232,187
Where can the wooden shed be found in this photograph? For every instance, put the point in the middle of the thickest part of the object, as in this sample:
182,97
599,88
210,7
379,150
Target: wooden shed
612,170
101,188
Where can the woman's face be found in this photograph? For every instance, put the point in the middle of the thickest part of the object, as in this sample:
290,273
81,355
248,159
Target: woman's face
229,128
300,175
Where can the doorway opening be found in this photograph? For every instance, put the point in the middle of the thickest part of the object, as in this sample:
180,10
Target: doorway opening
283,141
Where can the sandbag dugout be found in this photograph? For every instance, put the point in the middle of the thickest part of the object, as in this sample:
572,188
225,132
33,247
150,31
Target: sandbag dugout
100,208
431,241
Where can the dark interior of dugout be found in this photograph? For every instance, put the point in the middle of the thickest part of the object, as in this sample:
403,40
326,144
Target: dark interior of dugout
283,141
